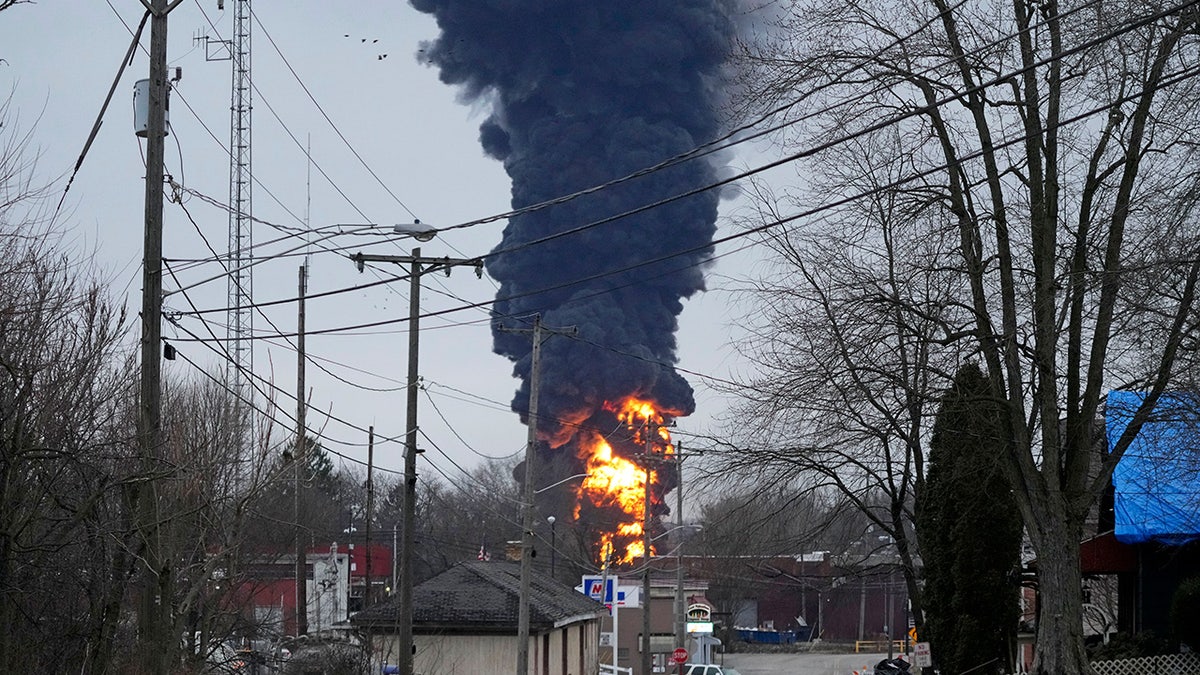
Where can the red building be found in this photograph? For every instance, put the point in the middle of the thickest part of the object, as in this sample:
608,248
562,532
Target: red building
337,585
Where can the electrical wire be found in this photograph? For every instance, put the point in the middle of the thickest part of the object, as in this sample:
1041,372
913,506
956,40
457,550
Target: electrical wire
651,205
807,152
880,125
259,383
1065,121
690,153
453,430
332,125
216,140
278,119
735,136
1167,81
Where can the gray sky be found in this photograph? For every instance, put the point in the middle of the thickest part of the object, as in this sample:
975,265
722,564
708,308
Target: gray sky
419,156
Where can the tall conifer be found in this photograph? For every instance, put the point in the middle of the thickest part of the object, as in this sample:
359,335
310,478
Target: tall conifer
970,533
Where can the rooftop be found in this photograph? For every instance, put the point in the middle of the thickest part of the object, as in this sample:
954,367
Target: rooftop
483,597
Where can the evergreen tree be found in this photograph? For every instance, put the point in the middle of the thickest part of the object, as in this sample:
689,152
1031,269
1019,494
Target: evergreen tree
969,532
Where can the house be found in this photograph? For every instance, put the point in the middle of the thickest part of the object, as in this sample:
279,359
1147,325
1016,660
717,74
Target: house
465,622
1143,538
1155,542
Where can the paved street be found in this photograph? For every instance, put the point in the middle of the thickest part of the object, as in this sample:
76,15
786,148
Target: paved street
801,664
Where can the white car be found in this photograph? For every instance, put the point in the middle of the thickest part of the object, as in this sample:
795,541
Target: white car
709,669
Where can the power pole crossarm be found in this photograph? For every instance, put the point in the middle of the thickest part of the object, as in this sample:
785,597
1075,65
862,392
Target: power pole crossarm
427,264
418,266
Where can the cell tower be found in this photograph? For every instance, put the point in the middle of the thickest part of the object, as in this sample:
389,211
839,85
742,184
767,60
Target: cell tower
241,240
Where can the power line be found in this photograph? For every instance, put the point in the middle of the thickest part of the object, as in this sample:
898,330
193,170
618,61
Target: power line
457,435
736,139
279,119
746,174
1167,81
692,153
807,152
216,140
328,119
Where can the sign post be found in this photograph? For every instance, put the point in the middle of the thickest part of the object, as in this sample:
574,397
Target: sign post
921,655
604,589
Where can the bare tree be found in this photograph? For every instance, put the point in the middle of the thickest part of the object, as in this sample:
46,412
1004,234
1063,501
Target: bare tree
455,519
849,343
64,546
205,509
1054,146
68,469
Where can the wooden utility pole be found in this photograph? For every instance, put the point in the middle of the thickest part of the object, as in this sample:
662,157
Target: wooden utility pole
404,641
680,621
370,510
531,420
649,440
301,460
156,641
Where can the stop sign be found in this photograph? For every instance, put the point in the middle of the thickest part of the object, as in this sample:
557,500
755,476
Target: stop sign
679,655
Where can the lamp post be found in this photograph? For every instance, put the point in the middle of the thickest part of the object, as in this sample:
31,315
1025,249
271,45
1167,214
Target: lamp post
550,519
418,266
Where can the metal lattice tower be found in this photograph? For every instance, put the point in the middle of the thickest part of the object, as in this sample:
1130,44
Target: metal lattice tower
241,241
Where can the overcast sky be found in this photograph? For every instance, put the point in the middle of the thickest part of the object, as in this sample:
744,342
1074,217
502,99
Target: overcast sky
388,142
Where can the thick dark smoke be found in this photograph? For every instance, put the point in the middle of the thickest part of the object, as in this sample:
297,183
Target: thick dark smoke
582,92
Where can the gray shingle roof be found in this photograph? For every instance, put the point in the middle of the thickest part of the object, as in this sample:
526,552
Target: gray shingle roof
483,597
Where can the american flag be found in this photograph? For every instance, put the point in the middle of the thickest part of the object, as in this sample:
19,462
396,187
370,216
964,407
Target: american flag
483,554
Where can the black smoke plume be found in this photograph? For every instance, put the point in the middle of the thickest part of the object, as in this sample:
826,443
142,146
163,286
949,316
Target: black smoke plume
583,92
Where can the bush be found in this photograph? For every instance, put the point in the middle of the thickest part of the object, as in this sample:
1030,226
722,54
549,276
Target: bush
1126,646
1185,613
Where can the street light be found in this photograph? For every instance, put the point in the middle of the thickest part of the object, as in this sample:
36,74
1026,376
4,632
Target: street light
554,485
419,266
693,528
416,229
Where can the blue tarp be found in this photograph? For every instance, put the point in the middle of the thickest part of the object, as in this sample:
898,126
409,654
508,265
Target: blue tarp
1157,482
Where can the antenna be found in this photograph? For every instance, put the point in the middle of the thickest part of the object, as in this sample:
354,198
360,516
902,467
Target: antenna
241,240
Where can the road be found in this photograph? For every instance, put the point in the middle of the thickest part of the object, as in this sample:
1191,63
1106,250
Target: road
801,664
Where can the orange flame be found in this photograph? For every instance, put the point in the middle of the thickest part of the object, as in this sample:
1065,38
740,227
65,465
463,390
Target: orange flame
614,481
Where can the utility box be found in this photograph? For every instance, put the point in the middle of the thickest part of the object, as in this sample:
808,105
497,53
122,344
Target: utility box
141,109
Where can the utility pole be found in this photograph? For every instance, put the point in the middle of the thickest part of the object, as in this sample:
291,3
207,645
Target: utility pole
301,460
535,376
419,266
531,420
155,619
646,665
679,609
370,505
